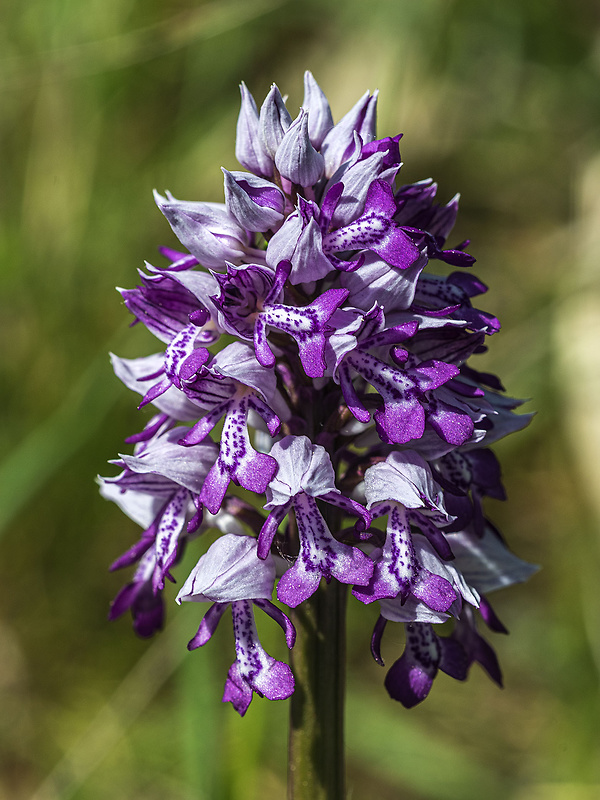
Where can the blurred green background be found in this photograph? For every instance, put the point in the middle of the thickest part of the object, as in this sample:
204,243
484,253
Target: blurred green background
104,100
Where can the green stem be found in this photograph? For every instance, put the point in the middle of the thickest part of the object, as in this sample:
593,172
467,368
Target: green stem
316,769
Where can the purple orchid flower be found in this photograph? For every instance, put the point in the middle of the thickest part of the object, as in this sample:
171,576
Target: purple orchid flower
308,242
231,574
312,360
305,473
248,306
398,488
410,679
407,391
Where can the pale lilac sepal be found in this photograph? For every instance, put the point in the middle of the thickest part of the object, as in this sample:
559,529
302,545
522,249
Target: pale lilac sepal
274,120
300,241
229,571
186,467
487,563
406,478
320,120
302,467
338,144
208,231
249,148
296,158
255,203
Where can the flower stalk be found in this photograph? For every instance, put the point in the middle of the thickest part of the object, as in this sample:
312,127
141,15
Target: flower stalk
316,762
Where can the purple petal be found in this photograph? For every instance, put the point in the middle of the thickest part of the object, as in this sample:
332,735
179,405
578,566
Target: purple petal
280,618
208,625
243,201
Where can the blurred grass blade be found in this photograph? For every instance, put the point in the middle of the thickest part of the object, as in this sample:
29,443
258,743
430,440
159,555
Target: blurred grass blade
387,740
142,44
110,725
57,438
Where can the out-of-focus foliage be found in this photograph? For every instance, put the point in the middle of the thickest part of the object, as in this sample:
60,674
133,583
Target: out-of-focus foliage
102,101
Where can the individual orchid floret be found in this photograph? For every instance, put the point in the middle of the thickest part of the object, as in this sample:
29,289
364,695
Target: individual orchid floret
410,679
339,143
249,306
471,475
208,230
274,120
257,204
307,240
407,390
296,158
230,573
320,121
400,487
237,460
304,474
249,148
172,477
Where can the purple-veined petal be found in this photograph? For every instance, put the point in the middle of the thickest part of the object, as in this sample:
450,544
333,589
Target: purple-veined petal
249,147
229,571
296,158
320,556
255,203
320,120
274,120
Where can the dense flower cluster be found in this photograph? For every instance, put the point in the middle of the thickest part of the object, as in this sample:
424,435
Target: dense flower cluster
312,361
